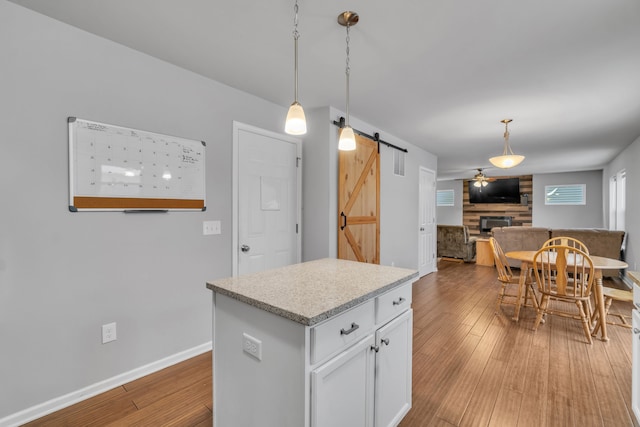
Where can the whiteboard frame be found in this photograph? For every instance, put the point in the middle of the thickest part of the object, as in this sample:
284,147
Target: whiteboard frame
139,203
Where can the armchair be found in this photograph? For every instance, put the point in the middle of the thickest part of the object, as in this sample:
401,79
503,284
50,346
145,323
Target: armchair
454,242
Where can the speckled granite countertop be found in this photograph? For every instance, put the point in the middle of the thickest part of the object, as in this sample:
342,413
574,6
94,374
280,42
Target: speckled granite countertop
310,292
635,276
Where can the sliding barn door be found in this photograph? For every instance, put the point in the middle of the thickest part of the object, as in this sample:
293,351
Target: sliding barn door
359,203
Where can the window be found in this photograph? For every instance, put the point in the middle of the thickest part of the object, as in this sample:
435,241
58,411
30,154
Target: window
444,198
398,162
617,201
572,194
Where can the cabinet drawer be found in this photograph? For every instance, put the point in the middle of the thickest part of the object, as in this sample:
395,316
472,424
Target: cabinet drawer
392,303
341,331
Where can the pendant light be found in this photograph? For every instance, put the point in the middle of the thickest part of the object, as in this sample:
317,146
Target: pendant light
507,159
347,141
296,123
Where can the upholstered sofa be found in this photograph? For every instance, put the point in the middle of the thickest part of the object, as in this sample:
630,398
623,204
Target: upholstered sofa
606,243
454,242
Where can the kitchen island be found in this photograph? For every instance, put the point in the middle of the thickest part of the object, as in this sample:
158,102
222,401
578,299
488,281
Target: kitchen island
321,343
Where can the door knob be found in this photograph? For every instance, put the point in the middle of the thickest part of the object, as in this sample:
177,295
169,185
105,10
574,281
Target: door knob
245,248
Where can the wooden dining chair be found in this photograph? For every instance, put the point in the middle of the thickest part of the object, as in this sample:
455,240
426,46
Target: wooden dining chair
566,241
564,275
508,295
610,295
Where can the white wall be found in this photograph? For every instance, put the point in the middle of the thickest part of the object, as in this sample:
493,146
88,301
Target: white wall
318,206
398,195
581,216
63,274
451,215
628,160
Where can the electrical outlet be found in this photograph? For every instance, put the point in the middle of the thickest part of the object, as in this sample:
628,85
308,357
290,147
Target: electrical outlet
108,332
252,346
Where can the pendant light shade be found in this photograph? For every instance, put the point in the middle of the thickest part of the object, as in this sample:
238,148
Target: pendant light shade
347,140
296,123
507,159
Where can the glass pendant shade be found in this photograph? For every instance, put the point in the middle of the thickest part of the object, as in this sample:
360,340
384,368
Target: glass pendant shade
347,141
477,184
296,123
506,161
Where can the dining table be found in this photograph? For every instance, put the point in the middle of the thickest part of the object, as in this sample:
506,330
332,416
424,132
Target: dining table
599,264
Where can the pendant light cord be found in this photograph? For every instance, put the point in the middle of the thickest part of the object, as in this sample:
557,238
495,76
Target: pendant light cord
296,36
348,72
507,147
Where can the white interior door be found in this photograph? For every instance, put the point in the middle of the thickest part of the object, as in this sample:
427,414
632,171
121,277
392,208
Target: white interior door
267,171
427,226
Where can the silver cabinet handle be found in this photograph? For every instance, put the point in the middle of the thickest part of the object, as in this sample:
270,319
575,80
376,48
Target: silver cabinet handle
400,301
354,326
636,331
245,248
375,348
384,341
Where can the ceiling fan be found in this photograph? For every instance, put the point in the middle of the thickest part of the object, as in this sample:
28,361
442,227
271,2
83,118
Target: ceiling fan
481,180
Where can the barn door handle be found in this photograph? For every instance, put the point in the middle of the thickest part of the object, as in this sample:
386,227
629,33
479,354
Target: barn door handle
343,217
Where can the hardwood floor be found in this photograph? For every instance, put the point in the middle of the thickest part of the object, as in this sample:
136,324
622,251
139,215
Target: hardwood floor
471,367
180,395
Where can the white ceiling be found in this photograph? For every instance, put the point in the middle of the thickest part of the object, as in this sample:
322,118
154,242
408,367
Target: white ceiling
438,74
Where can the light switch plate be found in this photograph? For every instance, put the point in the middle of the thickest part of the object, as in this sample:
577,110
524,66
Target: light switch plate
211,227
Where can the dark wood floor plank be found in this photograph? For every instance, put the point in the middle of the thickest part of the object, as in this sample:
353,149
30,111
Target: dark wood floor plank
89,412
186,409
177,371
485,396
535,373
164,386
507,408
583,385
460,394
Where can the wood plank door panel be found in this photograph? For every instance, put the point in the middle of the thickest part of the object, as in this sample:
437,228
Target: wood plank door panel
359,203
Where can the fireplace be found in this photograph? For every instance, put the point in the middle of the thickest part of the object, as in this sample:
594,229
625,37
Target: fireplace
488,222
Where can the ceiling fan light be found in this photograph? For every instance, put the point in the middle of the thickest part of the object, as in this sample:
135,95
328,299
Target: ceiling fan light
485,183
347,141
296,123
506,161
477,184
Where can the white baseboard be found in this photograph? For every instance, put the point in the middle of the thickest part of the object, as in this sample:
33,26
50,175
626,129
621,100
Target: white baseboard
69,399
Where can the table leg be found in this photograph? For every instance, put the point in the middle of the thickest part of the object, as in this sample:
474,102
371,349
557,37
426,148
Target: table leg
522,285
599,294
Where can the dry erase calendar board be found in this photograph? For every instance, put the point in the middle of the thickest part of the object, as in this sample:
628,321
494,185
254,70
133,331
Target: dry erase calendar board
122,169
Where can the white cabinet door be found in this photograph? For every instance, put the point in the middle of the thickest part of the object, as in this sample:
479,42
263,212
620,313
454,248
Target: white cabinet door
393,371
635,367
342,388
